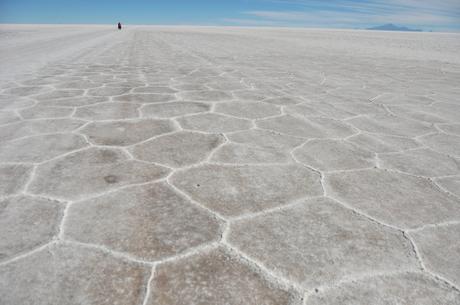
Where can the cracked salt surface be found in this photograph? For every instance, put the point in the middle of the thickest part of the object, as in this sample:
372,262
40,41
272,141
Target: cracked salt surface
177,169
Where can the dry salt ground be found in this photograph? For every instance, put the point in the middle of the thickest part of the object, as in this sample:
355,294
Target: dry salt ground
174,165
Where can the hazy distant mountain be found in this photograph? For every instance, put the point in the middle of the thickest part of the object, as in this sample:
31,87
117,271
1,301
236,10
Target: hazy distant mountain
392,27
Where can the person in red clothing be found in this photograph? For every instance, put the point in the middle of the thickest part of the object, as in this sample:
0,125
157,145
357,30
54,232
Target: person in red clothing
119,25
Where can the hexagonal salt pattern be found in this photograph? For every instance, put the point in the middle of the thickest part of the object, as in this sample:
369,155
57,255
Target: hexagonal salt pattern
8,102
249,110
36,127
330,155
230,166
439,111
77,84
99,169
423,162
284,100
252,95
226,85
124,133
213,278
256,146
335,111
27,223
108,111
240,154
304,109
25,90
391,125
320,242
439,248
178,149
307,128
395,99
404,289
235,190
443,143
150,222
40,148
74,101
63,274
214,123
397,199
423,115
206,96
154,89
61,93
173,109
40,112
144,98
13,178
107,91
265,139
383,143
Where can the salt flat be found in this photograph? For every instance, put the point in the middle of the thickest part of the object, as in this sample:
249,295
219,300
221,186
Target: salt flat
188,165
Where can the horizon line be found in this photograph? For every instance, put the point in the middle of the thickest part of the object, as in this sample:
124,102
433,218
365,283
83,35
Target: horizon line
235,26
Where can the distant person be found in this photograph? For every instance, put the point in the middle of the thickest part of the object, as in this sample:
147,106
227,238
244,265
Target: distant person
119,25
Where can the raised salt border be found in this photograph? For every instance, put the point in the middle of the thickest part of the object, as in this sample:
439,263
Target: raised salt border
181,165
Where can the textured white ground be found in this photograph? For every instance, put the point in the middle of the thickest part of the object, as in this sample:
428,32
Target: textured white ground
25,47
188,165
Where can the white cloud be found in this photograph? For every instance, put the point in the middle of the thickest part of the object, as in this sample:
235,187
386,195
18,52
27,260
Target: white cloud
447,6
250,22
350,13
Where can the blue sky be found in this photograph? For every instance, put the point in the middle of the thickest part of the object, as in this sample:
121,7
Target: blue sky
437,15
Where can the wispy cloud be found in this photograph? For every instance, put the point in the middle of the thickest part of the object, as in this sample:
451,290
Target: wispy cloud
427,14
375,6
250,22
